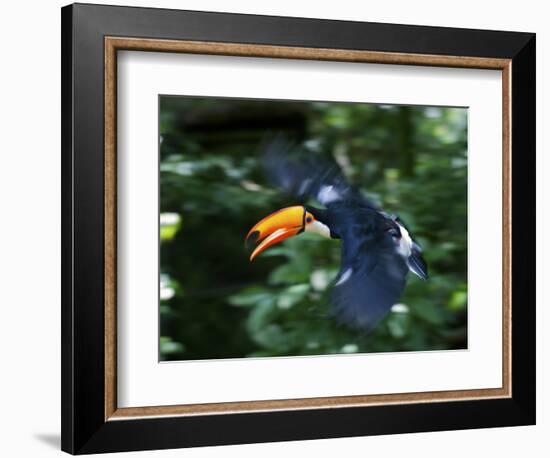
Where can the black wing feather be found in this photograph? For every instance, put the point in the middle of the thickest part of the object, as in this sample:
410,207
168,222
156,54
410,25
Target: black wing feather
370,281
308,176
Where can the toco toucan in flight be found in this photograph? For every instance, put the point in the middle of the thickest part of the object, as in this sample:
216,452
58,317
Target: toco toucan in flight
377,248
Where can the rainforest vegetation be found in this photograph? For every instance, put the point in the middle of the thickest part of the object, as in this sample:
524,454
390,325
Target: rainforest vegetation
214,303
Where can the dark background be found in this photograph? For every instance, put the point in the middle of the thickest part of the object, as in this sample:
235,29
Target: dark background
216,304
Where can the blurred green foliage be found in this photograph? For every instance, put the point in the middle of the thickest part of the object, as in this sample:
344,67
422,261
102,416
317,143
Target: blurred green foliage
216,304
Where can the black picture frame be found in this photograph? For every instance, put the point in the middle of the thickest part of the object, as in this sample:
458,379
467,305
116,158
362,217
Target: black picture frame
84,427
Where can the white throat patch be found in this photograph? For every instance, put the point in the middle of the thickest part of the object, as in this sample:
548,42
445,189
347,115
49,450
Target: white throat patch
317,227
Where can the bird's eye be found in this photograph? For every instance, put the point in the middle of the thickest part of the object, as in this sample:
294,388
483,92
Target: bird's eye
309,219
394,233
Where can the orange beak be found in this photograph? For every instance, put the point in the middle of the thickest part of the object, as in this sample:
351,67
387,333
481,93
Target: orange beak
275,228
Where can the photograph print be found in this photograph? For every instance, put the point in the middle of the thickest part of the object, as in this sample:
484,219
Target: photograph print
296,228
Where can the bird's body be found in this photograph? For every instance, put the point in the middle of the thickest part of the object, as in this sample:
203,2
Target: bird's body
377,249
375,252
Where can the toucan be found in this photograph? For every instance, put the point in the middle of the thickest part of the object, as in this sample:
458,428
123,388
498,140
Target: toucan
377,249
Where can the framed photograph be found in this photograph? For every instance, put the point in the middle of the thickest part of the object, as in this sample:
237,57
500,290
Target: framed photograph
281,228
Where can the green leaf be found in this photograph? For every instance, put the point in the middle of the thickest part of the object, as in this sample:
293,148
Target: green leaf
288,273
251,296
428,312
170,223
458,300
168,346
321,278
292,295
398,324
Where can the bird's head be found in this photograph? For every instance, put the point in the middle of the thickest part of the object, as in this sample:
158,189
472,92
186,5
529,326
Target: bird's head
285,223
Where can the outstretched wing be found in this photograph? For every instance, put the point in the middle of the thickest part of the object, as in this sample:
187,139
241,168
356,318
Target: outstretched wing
307,176
371,280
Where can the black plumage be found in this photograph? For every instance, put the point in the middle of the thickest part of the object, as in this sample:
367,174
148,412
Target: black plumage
372,273
307,176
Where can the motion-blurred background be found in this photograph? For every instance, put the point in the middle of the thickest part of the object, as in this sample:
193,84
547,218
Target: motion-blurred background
214,303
